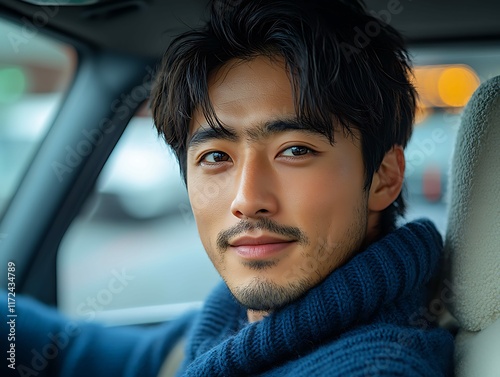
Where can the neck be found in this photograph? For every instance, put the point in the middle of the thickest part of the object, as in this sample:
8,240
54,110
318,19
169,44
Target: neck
256,315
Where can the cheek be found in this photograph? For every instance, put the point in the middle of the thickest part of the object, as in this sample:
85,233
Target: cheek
327,203
210,202
204,191
338,185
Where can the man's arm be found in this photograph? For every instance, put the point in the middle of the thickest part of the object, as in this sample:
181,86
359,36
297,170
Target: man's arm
45,343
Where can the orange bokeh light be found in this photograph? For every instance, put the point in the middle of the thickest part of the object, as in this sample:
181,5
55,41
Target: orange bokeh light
445,85
456,85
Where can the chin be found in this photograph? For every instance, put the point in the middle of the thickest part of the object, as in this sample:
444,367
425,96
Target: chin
265,295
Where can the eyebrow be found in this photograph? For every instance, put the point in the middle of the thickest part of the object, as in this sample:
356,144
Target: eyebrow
207,133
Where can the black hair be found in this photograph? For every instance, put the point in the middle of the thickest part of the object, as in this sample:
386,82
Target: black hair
349,69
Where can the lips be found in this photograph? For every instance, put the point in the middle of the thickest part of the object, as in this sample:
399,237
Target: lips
259,247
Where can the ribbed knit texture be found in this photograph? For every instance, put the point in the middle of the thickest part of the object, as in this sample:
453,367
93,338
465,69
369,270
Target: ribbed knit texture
364,319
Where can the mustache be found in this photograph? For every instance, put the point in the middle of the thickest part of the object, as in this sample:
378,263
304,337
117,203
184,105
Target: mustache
263,223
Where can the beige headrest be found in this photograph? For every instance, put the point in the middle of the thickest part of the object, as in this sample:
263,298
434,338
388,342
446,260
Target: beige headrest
472,241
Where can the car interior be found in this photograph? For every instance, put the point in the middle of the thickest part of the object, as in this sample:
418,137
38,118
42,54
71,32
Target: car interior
103,68
472,241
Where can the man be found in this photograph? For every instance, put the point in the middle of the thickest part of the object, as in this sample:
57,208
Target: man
301,129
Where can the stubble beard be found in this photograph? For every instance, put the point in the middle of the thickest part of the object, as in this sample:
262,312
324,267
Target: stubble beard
263,294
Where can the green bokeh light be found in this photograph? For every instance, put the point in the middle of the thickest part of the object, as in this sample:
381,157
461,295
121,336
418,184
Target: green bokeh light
12,84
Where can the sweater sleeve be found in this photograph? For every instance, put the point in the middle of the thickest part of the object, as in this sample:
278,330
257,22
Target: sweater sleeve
45,343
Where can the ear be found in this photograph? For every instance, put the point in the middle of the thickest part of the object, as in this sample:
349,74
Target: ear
387,181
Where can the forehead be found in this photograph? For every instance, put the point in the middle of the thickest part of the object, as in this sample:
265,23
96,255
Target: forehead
244,92
263,73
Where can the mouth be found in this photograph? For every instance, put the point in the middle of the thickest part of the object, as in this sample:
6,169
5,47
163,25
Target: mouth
260,247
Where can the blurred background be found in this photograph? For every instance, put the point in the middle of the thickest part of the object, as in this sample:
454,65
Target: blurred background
134,247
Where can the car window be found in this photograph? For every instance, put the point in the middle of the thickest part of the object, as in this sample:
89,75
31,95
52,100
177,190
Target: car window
445,79
35,72
135,244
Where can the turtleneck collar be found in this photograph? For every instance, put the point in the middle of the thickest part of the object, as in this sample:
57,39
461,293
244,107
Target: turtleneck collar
396,266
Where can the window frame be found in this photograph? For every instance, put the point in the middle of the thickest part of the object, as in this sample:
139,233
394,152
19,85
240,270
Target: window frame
42,208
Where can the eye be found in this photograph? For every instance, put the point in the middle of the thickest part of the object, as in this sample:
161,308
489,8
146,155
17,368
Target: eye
296,151
214,157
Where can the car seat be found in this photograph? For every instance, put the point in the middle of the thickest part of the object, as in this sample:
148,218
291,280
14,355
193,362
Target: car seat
472,242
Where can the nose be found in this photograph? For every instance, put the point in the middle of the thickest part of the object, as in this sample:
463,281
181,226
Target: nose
256,188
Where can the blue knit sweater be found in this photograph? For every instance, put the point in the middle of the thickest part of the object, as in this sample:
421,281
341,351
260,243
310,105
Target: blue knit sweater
366,319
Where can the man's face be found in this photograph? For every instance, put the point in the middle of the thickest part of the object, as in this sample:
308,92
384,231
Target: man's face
278,208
